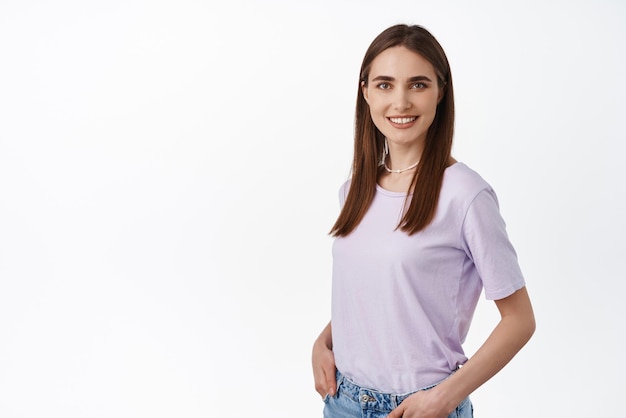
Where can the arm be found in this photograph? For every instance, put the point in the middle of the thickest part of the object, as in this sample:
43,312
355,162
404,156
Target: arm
323,360
516,326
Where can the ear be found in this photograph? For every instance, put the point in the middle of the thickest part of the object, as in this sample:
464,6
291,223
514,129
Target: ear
442,91
365,92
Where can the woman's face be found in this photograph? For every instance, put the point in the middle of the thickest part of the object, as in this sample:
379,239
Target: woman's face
402,93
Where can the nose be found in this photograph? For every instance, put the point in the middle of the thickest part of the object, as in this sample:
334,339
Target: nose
401,100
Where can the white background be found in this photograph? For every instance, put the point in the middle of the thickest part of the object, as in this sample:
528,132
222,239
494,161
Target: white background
169,171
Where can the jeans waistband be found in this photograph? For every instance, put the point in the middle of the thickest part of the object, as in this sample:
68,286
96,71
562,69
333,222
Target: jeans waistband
387,401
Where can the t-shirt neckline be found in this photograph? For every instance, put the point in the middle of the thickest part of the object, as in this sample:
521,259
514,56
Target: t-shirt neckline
391,193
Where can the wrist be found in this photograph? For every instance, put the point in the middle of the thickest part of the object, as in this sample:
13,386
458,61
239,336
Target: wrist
445,398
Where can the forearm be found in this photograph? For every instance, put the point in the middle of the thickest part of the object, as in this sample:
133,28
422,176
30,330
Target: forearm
515,328
323,360
325,338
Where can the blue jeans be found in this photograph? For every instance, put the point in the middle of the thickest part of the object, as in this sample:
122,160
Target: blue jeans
353,401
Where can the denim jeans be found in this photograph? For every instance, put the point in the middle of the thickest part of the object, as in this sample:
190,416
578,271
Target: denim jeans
353,401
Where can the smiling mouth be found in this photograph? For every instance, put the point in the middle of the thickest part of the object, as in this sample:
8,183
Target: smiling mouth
402,121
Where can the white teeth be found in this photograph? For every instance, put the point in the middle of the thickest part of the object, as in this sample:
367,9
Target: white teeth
402,120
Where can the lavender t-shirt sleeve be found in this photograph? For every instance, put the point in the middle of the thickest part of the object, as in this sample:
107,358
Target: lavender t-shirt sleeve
486,242
343,193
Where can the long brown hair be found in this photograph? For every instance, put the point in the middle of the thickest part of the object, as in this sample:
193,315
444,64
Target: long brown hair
369,141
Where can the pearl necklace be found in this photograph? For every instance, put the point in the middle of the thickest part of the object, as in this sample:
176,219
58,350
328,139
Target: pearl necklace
402,170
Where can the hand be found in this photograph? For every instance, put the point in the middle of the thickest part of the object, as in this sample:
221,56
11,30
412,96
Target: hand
324,370
422,404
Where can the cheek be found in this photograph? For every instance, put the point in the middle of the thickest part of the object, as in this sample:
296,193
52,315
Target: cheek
432,100
378,118
430,108
377,109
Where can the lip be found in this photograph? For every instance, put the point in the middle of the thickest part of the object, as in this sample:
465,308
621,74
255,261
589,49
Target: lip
402,121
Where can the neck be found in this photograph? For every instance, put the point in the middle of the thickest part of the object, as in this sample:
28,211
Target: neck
398,161
402,157
400,170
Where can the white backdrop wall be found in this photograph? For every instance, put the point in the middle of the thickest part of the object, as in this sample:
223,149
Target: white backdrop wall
169,171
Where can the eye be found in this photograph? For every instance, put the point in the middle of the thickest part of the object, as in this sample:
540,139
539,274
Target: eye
383,85
419,85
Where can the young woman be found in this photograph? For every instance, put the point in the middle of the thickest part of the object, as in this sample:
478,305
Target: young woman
419,236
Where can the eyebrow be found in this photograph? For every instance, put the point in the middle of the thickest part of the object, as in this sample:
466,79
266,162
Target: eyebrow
412,79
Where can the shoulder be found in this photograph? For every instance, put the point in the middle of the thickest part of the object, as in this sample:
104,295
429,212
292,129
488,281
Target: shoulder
343,191
462,179
462,185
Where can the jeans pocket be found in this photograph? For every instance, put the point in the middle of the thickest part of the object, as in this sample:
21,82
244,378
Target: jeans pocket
464,410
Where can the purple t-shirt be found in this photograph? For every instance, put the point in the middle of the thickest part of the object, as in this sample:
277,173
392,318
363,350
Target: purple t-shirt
402,305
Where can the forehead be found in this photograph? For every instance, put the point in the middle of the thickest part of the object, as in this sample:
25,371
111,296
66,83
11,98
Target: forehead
400,62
